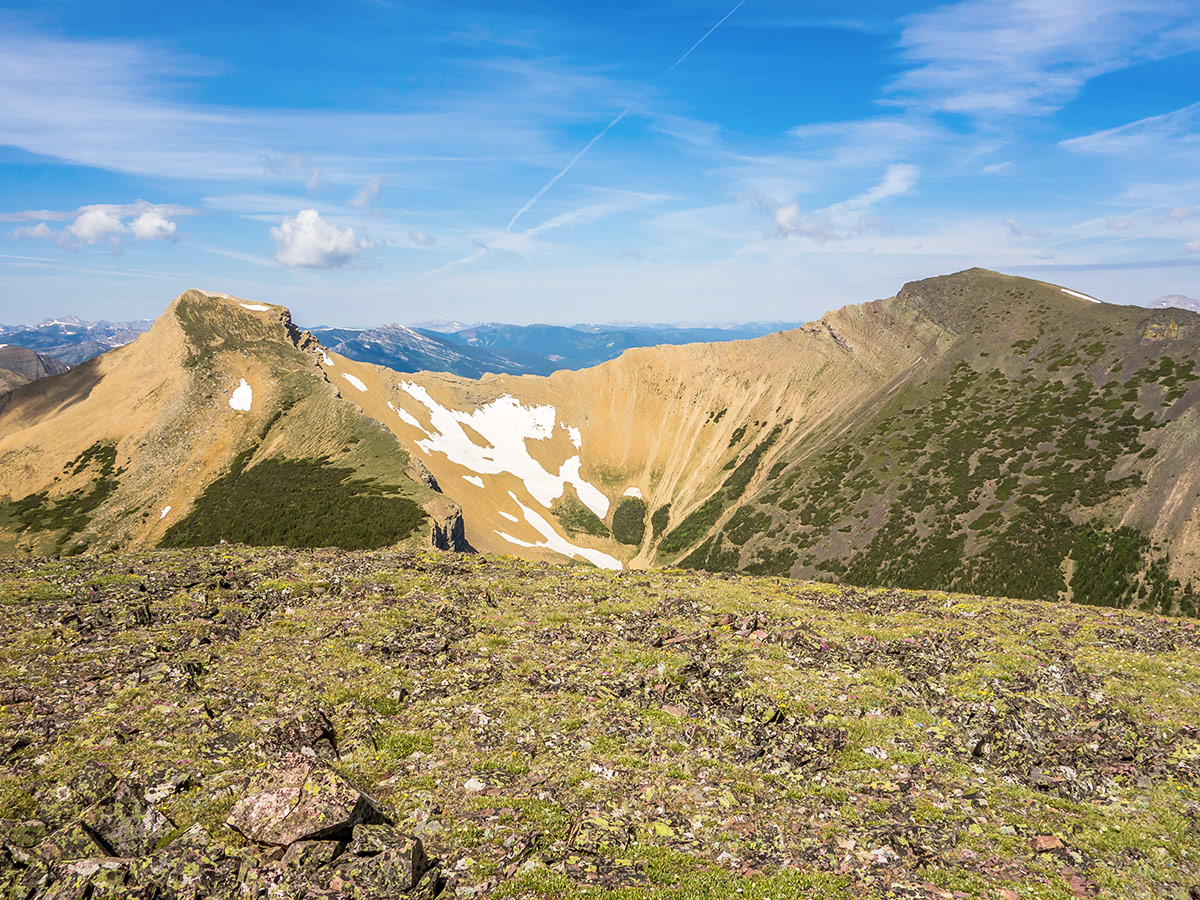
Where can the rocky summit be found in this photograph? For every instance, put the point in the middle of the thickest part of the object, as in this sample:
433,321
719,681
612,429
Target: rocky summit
239,722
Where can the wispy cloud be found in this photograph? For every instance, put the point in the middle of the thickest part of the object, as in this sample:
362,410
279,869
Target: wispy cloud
107,104
1170,134
368,193
849,218
991,58
529,204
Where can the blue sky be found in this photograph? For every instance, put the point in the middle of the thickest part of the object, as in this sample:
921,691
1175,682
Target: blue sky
372,161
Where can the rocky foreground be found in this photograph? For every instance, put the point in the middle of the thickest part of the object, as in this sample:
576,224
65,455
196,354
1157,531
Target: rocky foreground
245,723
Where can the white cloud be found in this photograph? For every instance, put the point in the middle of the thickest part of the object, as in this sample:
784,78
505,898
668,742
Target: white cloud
114,105
1192,246
1017,230
1119,225
102,223
95,225
1153,137
996,168
1179,213
849,218
153,226
898,179
41,230
366,194
308,240
997,57
422,238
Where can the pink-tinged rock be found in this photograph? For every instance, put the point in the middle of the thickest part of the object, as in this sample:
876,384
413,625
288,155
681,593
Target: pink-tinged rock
298,800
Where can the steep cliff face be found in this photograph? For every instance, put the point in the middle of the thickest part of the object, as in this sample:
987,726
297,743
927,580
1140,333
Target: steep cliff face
20,365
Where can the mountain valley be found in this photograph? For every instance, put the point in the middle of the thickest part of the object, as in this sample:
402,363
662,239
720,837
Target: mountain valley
976,432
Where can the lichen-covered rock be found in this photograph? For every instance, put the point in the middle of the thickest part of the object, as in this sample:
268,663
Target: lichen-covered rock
308,856
93,879
395,870
125,823
72,841
370,840
191,867
92,783
309,728
299,800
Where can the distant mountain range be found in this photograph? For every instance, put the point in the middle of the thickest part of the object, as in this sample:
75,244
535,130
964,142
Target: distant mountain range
70,339
437,346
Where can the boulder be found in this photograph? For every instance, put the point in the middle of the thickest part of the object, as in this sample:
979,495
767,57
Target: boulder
300,800
396,870
125,823
191,867
308,856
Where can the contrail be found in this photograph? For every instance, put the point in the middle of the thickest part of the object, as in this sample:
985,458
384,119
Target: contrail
607,128
706,34
567,168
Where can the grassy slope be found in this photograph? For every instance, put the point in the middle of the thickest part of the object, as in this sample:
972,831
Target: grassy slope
1016,449
656,733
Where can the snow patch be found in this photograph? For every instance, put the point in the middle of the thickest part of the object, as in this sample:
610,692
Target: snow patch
408,419
325,360
574,434
506,425
509,516
1079,295
355,380
554,541
243,397
163,514
473,479
254,307
633,492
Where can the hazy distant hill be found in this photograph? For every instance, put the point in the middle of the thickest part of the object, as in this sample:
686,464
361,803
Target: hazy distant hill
1175,301
409,350
516,349
557,347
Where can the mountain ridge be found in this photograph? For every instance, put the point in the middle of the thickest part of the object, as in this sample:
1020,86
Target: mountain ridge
789,453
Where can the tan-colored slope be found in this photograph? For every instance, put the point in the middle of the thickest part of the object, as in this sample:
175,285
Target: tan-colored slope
215,376
663,421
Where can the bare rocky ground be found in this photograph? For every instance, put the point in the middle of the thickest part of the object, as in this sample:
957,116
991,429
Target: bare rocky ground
262,723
